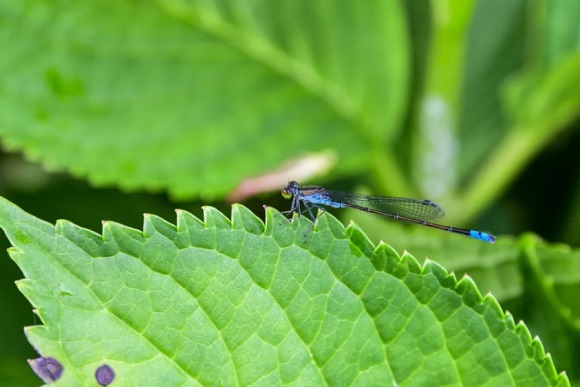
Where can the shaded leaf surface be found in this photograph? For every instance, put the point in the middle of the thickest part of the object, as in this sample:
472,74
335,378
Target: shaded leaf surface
236,301
490,59
554,281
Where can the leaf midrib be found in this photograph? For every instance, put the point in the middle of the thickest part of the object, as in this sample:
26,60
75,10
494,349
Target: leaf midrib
261,51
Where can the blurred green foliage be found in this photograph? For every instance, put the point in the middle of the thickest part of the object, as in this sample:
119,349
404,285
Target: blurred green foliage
475,105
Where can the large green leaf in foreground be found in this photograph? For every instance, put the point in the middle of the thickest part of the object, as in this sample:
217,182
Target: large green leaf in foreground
240,302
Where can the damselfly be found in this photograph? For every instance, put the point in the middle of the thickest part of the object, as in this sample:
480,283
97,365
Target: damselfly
407,210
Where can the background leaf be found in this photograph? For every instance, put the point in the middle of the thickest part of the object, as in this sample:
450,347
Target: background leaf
553,280
242,302
196,87
490,58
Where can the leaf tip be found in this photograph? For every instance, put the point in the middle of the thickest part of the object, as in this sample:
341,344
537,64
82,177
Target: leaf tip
244,219
213,218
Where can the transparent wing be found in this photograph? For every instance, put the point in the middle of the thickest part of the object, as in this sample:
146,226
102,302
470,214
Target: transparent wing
410,208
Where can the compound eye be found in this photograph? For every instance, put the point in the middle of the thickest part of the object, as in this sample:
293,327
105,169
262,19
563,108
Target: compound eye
286,194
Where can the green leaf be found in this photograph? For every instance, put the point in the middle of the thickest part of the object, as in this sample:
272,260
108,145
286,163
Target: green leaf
494,98
168,95
242,302
495,268
553,283
539,100
491,56
541,106
559,267
562,30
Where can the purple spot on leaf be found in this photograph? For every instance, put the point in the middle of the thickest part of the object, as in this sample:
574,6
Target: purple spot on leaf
104,375
46,368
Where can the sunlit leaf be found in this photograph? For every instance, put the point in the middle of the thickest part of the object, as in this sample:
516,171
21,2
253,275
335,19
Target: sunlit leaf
242,302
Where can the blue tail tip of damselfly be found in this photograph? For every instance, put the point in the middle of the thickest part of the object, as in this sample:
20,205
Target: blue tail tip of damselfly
482,236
